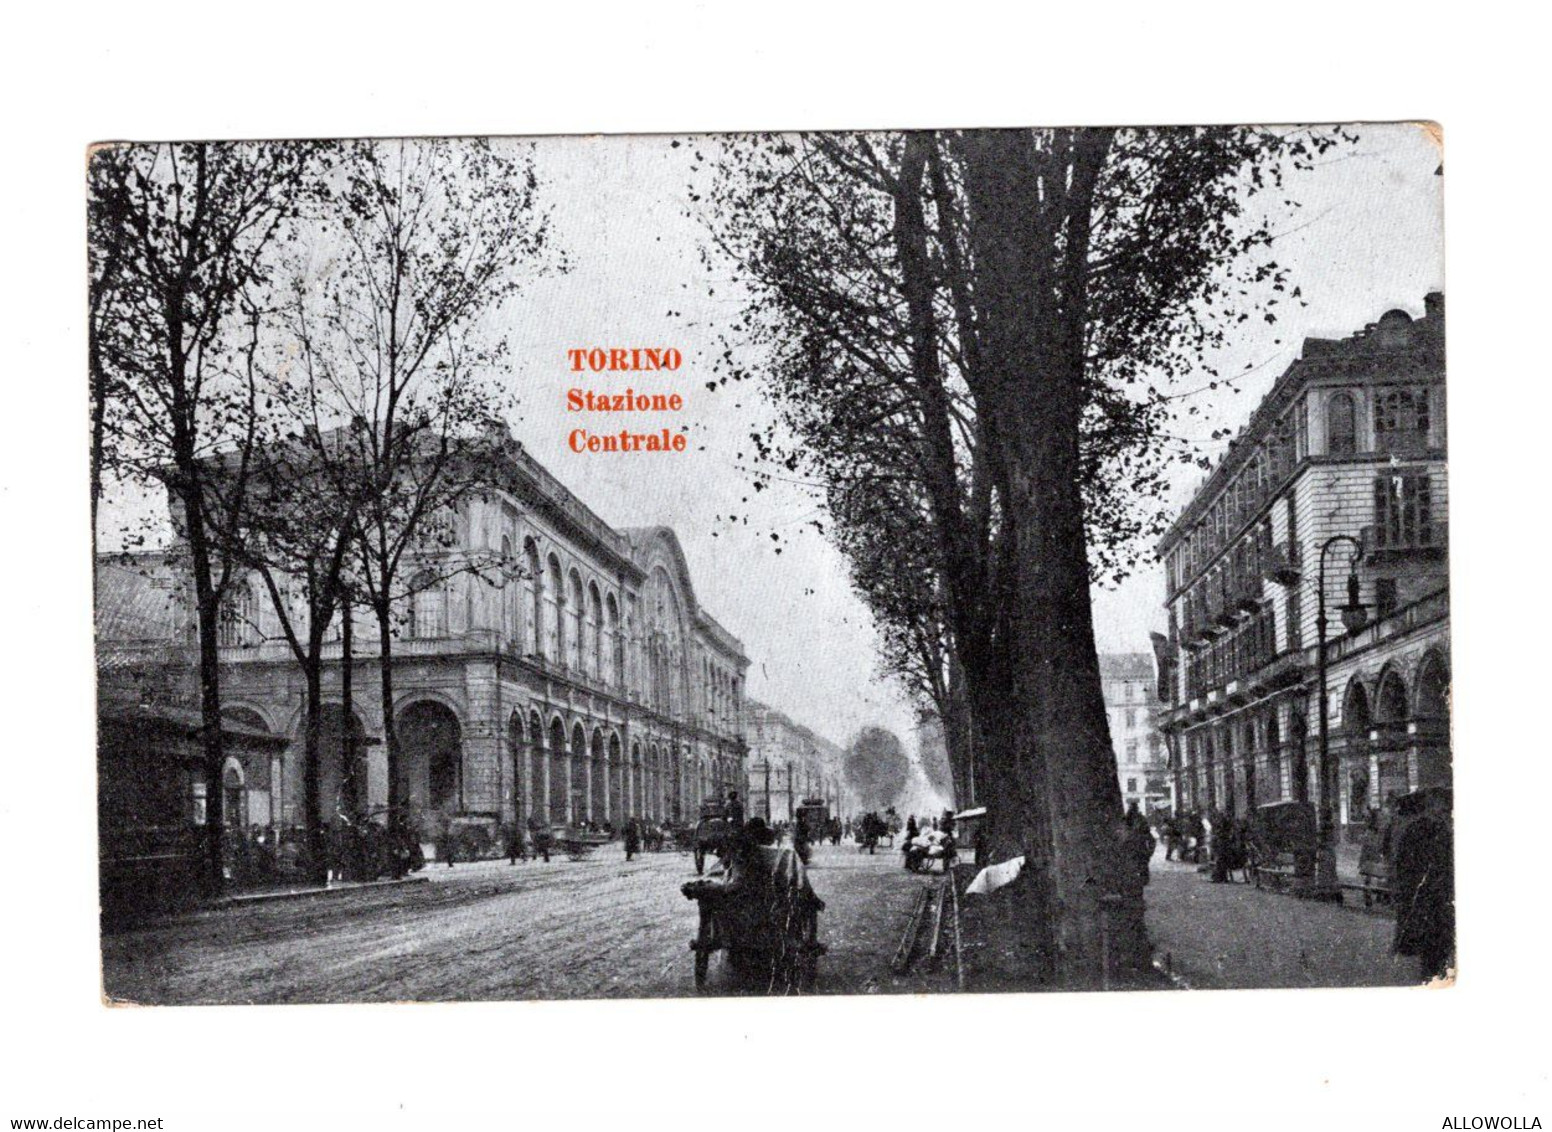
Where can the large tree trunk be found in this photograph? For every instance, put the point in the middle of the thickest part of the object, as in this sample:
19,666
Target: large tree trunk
312,777
959,737
396,814
207,605
1026,211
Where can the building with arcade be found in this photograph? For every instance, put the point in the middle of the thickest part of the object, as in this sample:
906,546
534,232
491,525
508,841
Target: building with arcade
586,685
1339,480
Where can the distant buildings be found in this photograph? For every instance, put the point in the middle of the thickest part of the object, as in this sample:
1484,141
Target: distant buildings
788,763
1350,441
1128,683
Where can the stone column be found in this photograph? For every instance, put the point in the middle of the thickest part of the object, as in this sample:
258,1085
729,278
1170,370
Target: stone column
525,783
544,775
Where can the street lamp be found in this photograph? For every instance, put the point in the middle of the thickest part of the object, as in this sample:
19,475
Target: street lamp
1354,616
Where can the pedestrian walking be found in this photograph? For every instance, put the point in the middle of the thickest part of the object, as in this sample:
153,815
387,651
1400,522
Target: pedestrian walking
515,845
539,833
1425,893
632,839
1140,842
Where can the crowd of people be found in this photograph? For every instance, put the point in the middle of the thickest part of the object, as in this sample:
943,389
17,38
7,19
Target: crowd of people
929,841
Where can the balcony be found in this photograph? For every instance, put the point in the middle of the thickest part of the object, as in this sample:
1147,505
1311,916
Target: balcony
1282,565
1195,632
1245,595
1425,541
1221,616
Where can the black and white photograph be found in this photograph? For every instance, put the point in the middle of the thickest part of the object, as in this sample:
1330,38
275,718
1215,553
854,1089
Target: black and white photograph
773,564
814,566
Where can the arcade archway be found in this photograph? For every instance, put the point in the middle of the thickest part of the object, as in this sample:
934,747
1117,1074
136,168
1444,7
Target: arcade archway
430,759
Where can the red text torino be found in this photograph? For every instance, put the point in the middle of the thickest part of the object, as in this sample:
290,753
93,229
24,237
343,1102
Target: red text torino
623,359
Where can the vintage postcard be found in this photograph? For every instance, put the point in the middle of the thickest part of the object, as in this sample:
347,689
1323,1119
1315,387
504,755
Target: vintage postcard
829,563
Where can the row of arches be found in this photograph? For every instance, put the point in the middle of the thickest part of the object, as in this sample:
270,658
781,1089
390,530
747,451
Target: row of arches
352,773
1392,738
558,772
564,776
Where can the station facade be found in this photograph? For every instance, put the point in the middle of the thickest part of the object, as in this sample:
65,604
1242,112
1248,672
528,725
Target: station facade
588,685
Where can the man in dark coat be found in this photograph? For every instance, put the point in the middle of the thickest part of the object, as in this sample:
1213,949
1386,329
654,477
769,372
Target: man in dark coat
1140,841
540,834
1425,893
632,839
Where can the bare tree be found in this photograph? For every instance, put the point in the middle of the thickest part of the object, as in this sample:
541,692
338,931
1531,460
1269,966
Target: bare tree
180,235
434,237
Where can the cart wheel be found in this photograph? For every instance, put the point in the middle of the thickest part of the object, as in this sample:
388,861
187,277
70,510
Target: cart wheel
700,860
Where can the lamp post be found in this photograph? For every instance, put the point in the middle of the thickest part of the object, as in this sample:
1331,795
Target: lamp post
1354,616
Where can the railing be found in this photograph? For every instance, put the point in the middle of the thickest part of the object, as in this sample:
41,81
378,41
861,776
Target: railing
1421,612
1380,539
1282,564
1246,593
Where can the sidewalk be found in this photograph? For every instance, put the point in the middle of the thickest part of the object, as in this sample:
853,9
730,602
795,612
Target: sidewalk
262,894
1234,935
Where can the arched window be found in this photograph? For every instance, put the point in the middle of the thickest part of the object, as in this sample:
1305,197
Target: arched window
559,786
234,796
511,619
239,625
1401,421
428,606
578,601
431,757
535,593
616,646
579,774
555,620
1341,425
595,631
538,798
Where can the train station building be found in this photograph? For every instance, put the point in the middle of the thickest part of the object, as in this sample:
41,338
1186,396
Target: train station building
592,686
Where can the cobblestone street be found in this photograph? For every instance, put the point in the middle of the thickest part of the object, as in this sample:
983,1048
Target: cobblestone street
599,928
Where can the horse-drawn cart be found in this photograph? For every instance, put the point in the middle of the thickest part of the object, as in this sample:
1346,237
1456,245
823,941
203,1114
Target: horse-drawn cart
1282,847
765,916
712,834
578,844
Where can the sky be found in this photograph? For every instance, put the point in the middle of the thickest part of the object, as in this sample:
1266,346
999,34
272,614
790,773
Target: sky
1368,238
